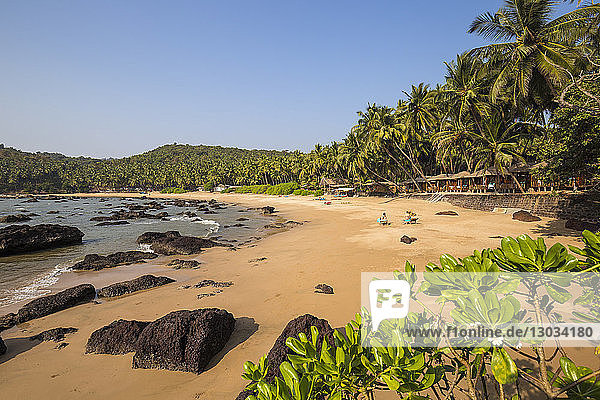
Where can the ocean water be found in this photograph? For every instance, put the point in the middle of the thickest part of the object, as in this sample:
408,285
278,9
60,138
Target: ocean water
27,276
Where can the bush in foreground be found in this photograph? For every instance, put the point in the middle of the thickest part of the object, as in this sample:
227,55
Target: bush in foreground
345,369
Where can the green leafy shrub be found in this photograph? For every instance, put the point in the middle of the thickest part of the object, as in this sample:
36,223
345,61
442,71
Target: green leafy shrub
481,287
209,186
304,192
173,190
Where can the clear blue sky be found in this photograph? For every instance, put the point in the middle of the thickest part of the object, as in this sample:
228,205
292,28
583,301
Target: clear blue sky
114,78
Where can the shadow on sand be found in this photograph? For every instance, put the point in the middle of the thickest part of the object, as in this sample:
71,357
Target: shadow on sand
16,346
555,228
244,328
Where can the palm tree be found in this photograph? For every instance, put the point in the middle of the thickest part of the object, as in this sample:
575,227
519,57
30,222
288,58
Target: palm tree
498,145
466,91
535,54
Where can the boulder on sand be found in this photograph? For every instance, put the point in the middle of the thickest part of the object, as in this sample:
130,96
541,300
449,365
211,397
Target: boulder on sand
172,243
56,302
8,321
144,282
97,262
24,238
525,216
407,239
119,337
579,225
454,213
301,324
2,347
56,334
184,340
323,289
183,264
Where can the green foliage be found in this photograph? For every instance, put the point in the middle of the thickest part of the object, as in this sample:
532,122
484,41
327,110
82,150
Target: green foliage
478,289
304,192
278,190
209,186
173,190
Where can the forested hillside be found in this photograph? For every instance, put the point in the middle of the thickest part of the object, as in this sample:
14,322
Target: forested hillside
173,165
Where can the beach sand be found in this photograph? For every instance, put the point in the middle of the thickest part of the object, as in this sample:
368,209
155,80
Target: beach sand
334,245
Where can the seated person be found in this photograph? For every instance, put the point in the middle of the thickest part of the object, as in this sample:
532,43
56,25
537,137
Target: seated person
383,219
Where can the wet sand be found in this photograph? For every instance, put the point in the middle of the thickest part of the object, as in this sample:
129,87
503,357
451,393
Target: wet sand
335,244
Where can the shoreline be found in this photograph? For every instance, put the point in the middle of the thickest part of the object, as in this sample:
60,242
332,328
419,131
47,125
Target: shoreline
338,242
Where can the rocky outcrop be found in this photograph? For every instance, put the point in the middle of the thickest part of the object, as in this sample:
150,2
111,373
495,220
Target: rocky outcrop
183,264
8,321
579,225
454,213
56,302
323,289
184,340
210,282
2,347
172,243
268,210
525,216
124,215
112,223
56,334
407,239
119,337
16,239
142,283
97,262
302,324
9,219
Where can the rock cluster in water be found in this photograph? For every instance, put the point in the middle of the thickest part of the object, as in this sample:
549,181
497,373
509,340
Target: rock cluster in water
16,239
142,283
97,262
172,243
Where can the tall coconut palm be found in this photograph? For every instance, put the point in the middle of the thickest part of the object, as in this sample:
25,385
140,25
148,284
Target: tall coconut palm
535,54
498,145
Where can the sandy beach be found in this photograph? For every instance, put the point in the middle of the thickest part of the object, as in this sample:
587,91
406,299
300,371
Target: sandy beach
334,245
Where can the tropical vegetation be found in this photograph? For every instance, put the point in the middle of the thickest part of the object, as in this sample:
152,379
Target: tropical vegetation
480,289
531,95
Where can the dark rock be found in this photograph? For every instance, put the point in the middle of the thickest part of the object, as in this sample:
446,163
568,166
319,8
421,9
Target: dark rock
123,215
24,238
184,340
97,262
579,225
238,225
407,239
31,200
8,321
171,243
9,219
56,302
323,288
61,346
188,214
210,282
525,216
282,225
446,213
259,259
2,347
119,337
242,219
142,283
268,210
109,223
209,212
183,264
52,212
56,334
302,324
